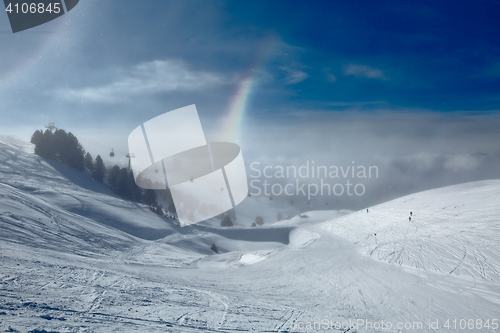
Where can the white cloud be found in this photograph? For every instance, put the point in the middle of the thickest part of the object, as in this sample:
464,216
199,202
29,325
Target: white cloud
329,76
294,75
461,162
147,78
363,71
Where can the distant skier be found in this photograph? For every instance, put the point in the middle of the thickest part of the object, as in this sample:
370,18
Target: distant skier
411,213
367,210
409,218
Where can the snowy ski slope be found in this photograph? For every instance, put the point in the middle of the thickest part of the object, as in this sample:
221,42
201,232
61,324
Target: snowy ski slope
76,258
454,230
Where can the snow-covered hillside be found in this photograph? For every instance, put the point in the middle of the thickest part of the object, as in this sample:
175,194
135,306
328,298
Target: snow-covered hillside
453,230
76,258
40,190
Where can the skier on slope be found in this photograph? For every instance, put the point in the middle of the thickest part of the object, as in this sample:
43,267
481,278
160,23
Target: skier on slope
409,218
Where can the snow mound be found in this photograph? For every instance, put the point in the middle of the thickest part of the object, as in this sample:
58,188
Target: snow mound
300,238
251,258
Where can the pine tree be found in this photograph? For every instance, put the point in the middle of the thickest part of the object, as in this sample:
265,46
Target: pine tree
171,207
60,146
165,194
123,184
150,197
136,193
99,169
113,174
36,137
259,220
226,221
232,214
88,163
44,145
74,153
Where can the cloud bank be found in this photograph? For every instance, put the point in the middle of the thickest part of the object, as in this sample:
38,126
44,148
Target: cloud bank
363,71
145,79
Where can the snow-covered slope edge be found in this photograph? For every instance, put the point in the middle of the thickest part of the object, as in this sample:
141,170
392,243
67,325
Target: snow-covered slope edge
57,198
453,230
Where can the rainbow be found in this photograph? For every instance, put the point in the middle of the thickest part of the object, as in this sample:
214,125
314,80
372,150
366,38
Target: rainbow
237,108
46,44
239,101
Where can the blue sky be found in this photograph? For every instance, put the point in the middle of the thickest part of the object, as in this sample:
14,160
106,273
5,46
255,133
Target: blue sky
328,55
384,81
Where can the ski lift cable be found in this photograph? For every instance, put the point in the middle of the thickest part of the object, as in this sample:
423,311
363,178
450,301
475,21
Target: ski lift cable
81,138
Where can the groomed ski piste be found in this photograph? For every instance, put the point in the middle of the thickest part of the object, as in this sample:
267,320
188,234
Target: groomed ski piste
77,258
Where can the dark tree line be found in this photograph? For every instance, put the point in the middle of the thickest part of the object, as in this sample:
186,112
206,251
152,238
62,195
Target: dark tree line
65,148
60,146
98,169
122,182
